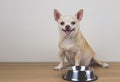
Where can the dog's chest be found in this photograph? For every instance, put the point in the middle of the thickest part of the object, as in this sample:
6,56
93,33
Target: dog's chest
69,43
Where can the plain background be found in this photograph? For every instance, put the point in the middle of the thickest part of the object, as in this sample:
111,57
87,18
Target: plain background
28,32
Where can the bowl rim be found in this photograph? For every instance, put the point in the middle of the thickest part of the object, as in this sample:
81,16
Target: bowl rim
83,68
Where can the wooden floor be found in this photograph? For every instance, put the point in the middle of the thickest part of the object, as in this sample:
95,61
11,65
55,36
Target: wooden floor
43,72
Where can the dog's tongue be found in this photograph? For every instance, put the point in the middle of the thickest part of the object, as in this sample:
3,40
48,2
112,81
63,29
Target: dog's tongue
68,32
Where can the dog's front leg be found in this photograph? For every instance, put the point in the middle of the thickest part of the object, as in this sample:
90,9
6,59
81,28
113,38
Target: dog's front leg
77,58
61,56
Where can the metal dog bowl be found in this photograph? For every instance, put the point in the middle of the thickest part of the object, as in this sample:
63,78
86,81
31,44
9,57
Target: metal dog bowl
79,74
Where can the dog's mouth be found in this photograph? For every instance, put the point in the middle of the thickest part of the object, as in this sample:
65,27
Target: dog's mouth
68,31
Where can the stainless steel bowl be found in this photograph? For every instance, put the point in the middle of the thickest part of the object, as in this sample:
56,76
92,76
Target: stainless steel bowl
79,74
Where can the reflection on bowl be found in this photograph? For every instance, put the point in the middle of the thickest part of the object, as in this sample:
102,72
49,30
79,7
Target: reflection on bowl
79,73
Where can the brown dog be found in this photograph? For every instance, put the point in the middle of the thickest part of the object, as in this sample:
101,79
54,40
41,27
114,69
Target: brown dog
72,44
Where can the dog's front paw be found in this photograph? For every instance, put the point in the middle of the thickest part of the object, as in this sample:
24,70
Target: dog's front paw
59,67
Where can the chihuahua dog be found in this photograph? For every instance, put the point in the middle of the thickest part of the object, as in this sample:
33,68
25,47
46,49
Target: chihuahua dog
72,44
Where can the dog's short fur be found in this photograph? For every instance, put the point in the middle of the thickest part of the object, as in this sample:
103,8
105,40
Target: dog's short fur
72,44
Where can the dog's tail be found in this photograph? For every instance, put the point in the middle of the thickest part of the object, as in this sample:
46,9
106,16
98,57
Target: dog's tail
100,62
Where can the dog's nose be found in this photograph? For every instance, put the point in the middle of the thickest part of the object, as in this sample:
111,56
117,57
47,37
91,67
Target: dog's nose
67,27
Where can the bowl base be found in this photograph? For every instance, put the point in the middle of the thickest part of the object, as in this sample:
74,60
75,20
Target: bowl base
63,77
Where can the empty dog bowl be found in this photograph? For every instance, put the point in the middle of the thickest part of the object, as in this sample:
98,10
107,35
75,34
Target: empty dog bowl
79,74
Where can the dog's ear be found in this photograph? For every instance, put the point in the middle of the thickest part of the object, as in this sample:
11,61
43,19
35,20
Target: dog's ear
79,15
56,14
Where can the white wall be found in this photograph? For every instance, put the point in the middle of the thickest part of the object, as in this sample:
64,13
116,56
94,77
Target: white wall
28,32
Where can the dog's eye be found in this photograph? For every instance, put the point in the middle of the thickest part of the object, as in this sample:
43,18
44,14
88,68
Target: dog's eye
62,23
73,22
